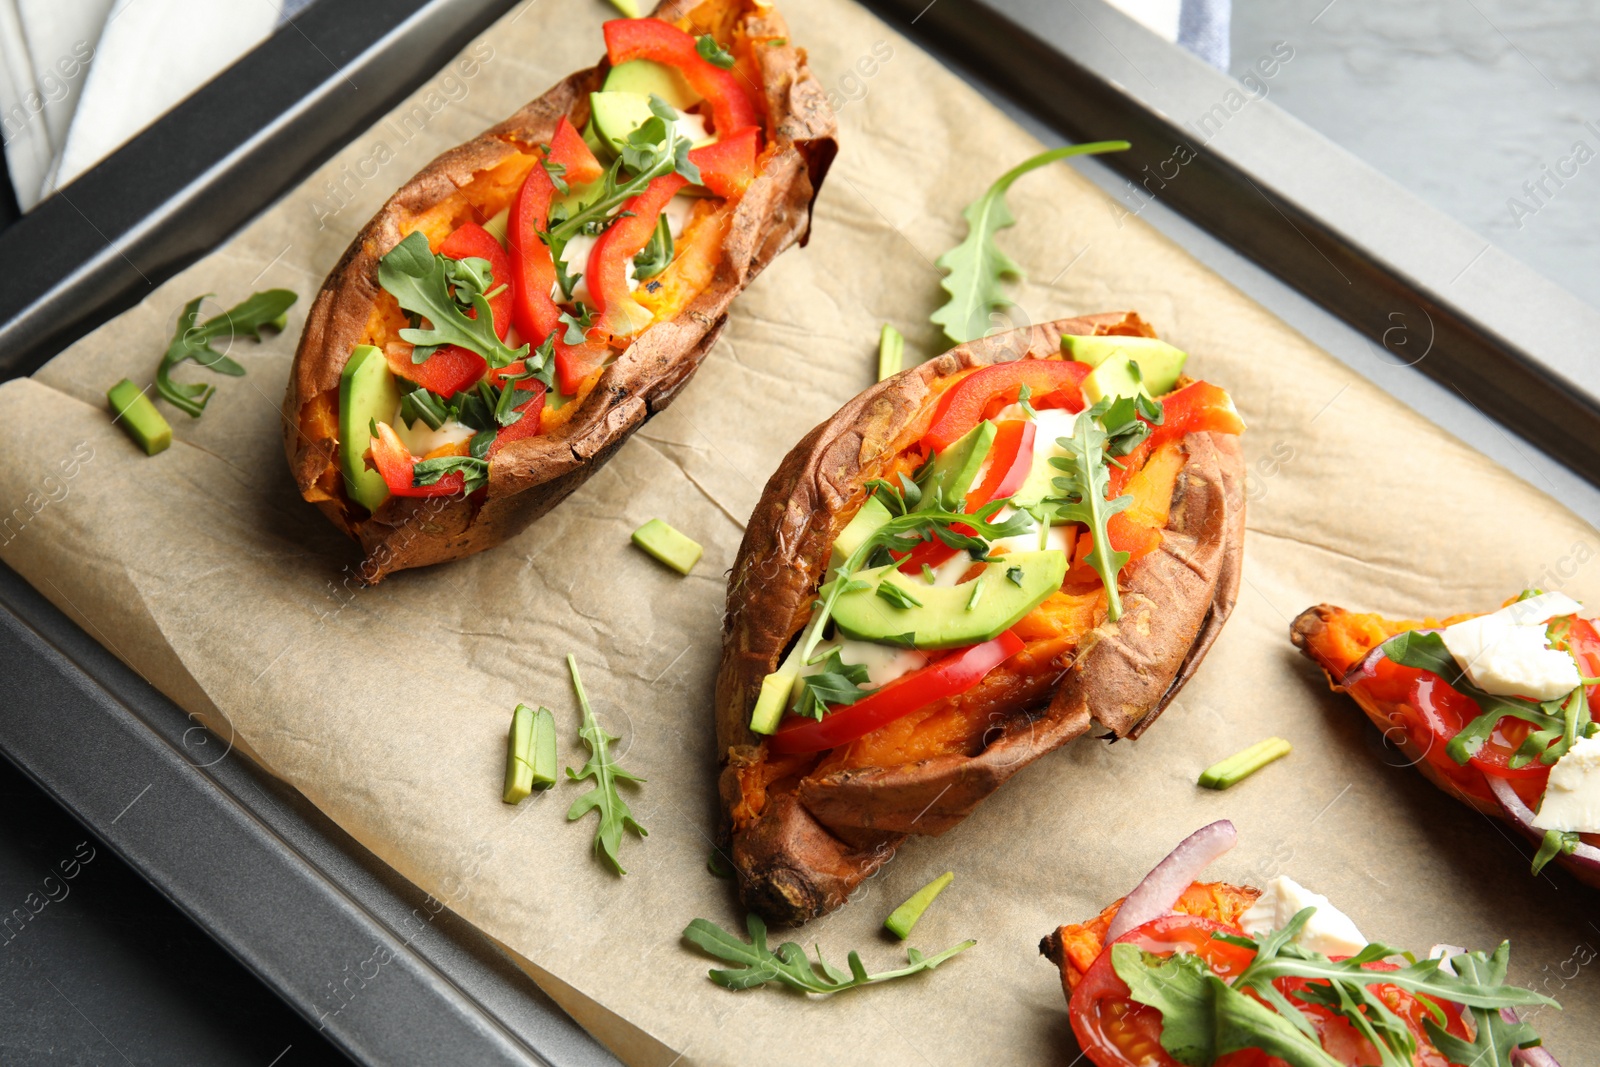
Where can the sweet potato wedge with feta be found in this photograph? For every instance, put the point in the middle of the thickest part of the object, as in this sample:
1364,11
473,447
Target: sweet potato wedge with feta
812,805
1491,708
606,262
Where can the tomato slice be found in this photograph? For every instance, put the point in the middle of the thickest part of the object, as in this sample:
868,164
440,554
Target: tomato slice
1010,459
1052,383
955,673
1116,1031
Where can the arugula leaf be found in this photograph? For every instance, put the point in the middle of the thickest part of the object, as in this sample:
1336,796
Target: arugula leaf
429,471
837,683
1496,1036
1427,651
657,255
712,52
1083,498
191,342
1556,842
556,171
421,282
615,817
759,964
897,596
658,147
1127,421
577,330
1203,1017
976,266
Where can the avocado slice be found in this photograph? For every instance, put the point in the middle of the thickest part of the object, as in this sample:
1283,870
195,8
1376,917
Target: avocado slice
645,76
366,392
956,468
1159,362
867,522
614,116
1117,376
950,616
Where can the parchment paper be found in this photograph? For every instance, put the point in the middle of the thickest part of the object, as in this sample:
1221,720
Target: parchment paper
388,706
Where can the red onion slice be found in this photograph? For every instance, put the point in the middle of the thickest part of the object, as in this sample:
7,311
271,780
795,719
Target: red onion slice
1159,891
1521,816
1528,1057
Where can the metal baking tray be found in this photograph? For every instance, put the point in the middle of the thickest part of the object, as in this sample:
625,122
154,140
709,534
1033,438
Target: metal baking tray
1335,249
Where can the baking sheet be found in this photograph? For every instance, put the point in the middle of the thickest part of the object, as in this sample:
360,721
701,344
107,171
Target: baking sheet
388,706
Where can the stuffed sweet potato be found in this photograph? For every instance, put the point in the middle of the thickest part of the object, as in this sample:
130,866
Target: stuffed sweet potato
1184,971
1493,709
527,301
918,609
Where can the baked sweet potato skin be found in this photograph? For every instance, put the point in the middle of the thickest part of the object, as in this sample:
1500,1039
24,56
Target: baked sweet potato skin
1337,640
815,839
530,476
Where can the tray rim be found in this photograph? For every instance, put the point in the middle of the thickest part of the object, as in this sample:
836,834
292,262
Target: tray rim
458,977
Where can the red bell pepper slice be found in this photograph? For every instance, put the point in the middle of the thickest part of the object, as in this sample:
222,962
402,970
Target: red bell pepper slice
471,240
568,150
1012,459
447,372
653,39
729,166
617,313
532,409
453,368
946,677
1198,407
535,314
395,462
1135,539
1052,383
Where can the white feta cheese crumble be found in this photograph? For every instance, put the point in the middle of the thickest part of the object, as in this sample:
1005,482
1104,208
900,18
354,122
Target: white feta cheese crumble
1329,930
421,439
1506,652
1572,795
884,663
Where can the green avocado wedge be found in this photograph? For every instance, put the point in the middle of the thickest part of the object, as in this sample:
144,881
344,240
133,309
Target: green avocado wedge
868,521
1160,364
949,616
644,77
366,392
1117,376
956,468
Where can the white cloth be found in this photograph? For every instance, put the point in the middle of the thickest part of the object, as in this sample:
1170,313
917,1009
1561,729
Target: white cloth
1200,26
83,76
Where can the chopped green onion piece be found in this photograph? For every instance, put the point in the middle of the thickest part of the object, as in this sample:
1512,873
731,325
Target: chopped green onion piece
1241,765
668,545
519,756
544,749
139,417
977,591
903,918
718,864
891,351
629,8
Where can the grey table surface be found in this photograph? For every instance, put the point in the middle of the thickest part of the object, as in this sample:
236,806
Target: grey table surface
1470,104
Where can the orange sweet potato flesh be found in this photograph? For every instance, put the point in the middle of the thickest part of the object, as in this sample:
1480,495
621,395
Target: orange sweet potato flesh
1075,947
721,251
805,837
